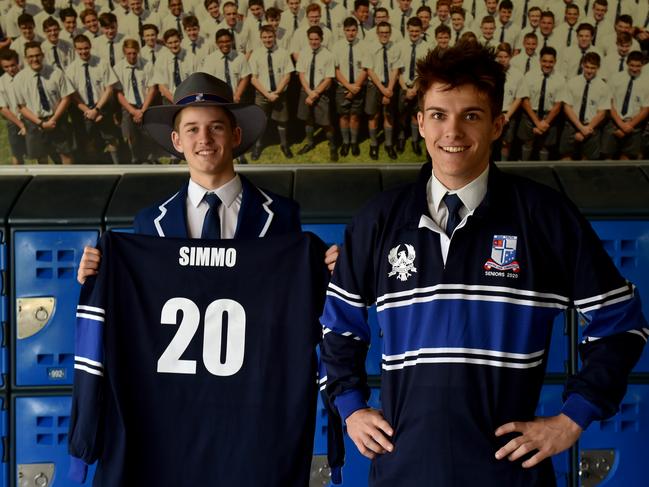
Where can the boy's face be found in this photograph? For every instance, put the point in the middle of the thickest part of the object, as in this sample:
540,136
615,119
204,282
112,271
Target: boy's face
584,38
48,5
635,68
230,14
136,6
504,14
273,22
83,50
383,34
173,44
443,11
10,66
623,27
572,16
91,23
589,70
425,19
20,3
224,44
624,48
458,128
546,25
313,17
404,5
130,54
192,32
457,21
150,36
294,6
530,45
27,31
257,11
110,31
70,24
492,6
534,17
206,138
268,39
443,40
547,63
599,12
362,13
381,17
488,29
414,33
52,33
34,57
503,58
350,33
176,7
214,10
314,41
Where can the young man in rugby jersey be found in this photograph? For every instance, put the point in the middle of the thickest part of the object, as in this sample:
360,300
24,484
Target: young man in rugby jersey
469,267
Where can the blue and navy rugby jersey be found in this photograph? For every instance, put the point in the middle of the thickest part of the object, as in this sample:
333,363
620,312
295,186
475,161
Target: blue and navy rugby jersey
465,343
196,362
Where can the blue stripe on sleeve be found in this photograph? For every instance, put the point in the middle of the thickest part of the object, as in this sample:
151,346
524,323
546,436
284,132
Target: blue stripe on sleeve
342,318
89,339
615,318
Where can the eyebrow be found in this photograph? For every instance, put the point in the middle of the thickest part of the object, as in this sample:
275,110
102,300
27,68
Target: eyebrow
468,109
216,120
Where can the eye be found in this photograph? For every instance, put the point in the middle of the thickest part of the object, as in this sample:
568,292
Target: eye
437,115
472,116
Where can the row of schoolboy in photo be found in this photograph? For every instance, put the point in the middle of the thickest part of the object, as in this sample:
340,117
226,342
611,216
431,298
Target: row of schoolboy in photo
349,105
491,20
585,116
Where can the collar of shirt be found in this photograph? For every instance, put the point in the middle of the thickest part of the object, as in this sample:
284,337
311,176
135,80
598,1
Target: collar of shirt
227,193
471,195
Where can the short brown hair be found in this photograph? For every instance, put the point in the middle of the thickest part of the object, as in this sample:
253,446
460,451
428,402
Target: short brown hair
466,63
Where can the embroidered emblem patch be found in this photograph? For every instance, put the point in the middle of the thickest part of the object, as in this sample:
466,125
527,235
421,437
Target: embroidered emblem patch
503,254
199,97
402,262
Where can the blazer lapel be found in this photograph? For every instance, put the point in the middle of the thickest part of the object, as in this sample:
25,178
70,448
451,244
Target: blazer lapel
172,220
255,215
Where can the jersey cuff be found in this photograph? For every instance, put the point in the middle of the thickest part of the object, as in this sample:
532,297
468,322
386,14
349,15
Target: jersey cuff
78,470
580,410
348,402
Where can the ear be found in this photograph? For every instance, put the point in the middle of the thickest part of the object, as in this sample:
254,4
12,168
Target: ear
236,137
175,140
420,123
498,126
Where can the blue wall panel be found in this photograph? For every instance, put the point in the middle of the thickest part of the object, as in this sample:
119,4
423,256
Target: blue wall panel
3,308
550,404
45,264
627,435
627,242
41,436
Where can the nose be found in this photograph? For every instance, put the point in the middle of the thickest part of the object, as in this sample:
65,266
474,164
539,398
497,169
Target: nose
453,128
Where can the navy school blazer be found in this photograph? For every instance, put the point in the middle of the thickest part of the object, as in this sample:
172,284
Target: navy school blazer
262,214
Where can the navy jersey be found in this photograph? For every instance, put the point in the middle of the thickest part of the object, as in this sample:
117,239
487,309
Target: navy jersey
465,342
196,362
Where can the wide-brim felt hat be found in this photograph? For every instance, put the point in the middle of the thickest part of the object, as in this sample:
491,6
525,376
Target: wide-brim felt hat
203,90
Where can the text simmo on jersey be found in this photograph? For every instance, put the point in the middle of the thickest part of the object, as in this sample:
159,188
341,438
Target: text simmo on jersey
207,256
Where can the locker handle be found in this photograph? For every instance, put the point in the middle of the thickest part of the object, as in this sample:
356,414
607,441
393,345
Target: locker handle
33,314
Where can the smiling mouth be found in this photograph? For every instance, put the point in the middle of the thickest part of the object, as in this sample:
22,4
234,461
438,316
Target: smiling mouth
455,149
206,152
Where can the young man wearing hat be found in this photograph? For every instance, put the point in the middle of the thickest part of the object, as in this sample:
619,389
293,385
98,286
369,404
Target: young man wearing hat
208,130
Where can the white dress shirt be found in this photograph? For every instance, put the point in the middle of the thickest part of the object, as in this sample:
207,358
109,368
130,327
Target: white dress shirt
471,195
230,195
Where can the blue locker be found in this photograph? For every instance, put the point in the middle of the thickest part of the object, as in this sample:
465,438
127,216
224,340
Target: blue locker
357,467
627,242
46,292
3,309
550,404
333,233
4,425
41,440
614,451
